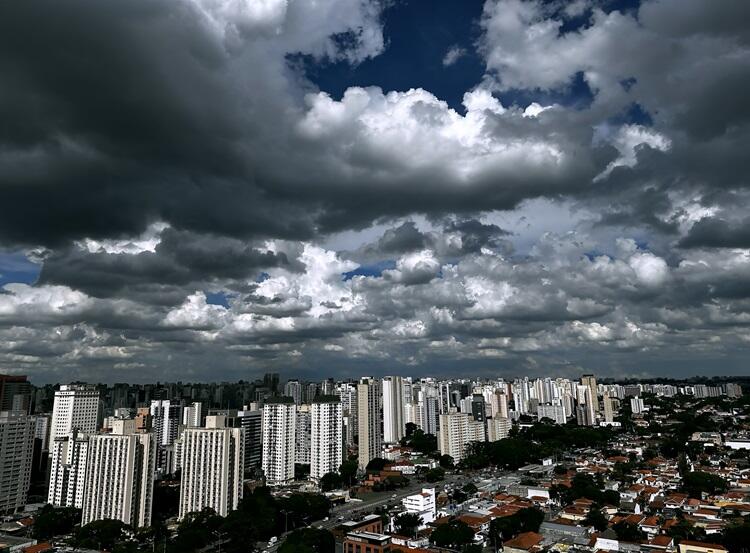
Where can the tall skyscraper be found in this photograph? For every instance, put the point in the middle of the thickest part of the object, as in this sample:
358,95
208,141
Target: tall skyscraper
370,418
279,425
68,470
16,453
76,407
120,476
326,436
393,409
212,467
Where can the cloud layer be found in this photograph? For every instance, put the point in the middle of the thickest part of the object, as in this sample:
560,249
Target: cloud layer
198,206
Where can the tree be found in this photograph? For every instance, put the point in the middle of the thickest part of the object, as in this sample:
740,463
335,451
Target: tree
348,471
628,532
407,524
308,540
434,475
51,521
695,483
376,464
525,520
331,481
454,534
737,537
102,534
446,462
596,518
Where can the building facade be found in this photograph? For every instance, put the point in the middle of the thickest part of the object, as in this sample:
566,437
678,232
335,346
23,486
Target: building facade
326,436
212,467
279,432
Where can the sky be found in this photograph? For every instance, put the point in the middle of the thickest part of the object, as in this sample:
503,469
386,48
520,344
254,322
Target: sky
206,190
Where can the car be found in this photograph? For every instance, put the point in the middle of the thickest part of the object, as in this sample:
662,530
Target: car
325,519
273,540
394,495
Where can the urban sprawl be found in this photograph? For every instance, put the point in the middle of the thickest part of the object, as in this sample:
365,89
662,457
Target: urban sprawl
376,465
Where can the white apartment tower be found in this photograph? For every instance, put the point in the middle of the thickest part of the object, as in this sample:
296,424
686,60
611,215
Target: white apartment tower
279,426
120,476
370,419
393,409
457,431
16,450
68,470
212,467
76,407
327,436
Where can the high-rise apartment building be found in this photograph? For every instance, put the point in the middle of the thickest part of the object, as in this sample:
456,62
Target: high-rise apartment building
192,415
279,426
327,436
16,452
166,416
302,435
370,418
293,389
212,467
636,405
251,421
457,431
555,413
68,470
498,428
589,380
76,407
120,476
393,409
609,409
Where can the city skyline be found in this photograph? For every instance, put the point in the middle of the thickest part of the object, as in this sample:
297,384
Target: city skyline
366,187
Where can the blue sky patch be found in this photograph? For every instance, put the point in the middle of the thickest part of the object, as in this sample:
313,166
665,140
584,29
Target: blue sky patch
374,270
15,267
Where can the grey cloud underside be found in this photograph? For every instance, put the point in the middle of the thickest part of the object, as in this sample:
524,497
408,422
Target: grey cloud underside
187,114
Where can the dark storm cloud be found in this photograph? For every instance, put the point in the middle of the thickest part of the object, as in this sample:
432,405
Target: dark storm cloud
181,258
712,232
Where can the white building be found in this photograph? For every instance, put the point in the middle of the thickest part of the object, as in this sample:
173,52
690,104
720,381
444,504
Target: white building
498,428
279,426
422,504
637,406
302,443
192,415
120,476
556,413
75,407
68,470
458,430
393,409
16,451
369,417
165,422
212,467
327,436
